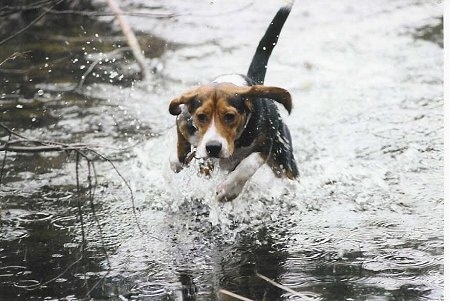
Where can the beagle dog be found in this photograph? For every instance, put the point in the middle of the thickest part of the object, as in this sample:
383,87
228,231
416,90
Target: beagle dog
235,120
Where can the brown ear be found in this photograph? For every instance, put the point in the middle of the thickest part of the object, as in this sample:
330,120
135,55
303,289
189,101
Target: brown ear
277,94
174,107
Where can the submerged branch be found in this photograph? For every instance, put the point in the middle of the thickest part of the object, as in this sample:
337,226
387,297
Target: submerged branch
13,56
236,296
283,287
23,144
17,143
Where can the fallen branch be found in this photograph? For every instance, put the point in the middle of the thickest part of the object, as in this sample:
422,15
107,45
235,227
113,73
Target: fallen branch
283,287
41,148
22,144
131,37
13,56
236,296
26,145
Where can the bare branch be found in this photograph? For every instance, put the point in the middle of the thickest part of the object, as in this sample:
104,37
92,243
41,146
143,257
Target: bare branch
131,37
39,149
13,57
283,287
29,25
236,296
102,14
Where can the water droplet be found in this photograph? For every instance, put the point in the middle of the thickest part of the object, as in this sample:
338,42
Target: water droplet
40,92
19,106
82,67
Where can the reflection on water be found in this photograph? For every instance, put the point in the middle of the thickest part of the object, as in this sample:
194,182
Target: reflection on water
364,223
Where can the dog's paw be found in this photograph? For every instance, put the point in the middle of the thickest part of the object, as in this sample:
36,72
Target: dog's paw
228,191
176,166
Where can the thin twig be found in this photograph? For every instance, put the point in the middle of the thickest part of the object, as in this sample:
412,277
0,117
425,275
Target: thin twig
97,221
80,207
127,185
12,57
80,214
38,149
34,67
39,285
80,149
23,145
4,160
91,201
29,25
236,296
11,131
283,287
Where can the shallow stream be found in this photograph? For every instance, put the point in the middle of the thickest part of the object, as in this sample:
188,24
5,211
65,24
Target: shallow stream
364,222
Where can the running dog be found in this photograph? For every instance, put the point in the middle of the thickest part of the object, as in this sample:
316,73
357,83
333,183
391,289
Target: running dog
235,119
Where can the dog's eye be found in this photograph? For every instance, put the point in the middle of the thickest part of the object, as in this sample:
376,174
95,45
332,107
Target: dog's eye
229,117
201,117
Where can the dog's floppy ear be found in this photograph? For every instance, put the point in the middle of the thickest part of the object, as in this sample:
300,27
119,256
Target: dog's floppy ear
277,94
186,98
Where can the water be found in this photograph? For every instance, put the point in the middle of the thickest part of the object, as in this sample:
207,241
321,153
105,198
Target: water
365,221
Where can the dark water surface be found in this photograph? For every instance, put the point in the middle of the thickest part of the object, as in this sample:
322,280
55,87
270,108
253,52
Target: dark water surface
365,221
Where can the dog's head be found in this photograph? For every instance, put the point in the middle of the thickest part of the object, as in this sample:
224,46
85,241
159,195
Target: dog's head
220,113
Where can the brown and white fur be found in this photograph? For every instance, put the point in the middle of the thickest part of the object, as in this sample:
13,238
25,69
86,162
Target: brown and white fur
235,119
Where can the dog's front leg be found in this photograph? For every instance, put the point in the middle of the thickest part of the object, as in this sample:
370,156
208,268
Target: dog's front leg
235,181
179,160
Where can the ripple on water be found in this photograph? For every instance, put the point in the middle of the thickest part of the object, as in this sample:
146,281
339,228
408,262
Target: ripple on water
36,217
17,275
27,283
150,289
65,222
57,195
12,270
410,260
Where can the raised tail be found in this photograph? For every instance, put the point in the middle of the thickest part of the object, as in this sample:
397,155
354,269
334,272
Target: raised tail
258,66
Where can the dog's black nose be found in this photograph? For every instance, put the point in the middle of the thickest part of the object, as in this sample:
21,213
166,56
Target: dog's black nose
213,148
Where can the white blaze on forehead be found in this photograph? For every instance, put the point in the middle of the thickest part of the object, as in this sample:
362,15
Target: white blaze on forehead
212,134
